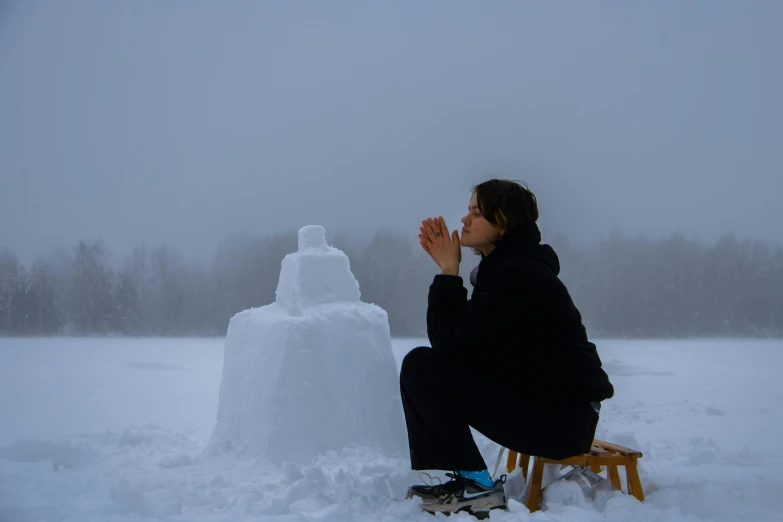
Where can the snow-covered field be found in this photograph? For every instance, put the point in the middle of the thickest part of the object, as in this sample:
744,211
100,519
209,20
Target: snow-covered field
115,429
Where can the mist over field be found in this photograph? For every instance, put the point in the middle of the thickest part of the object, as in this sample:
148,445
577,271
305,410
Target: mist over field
158,158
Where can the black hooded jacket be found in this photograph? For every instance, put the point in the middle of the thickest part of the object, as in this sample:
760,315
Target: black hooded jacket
520,324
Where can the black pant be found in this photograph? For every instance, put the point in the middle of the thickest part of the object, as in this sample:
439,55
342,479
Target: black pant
444,396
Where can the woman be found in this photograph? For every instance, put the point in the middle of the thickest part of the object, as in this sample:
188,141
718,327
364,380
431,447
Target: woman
519,329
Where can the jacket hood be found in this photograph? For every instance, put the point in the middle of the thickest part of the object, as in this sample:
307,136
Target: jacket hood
525,240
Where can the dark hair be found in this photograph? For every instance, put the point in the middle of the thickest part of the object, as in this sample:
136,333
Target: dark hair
506,203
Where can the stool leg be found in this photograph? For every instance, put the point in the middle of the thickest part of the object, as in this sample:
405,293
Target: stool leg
511,461
614,477
596,468
524,463
634,483
535,487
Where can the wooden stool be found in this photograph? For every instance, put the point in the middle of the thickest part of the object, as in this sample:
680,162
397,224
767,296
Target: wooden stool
601,454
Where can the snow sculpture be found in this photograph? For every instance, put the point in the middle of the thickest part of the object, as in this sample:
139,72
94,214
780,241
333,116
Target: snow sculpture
313,371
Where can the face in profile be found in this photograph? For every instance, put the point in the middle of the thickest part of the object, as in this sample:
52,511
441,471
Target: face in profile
477,232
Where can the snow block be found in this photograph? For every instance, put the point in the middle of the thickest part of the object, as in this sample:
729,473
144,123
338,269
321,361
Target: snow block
313,371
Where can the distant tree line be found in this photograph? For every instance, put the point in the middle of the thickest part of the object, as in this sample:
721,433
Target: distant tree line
624,286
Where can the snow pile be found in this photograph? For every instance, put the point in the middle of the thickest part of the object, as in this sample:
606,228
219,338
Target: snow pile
313,371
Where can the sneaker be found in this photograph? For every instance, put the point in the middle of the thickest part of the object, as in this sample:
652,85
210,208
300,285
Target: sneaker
463,494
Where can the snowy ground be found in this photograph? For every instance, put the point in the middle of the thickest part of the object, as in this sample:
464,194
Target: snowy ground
114,429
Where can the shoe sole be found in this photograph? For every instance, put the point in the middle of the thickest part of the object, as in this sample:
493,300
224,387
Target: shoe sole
479,508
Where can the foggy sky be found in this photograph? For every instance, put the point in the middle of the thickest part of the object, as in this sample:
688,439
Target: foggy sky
185,122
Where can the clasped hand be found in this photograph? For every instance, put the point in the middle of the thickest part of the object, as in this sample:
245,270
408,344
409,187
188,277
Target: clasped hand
443,247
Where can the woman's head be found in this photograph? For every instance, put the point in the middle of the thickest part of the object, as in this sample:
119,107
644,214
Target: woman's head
496,207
